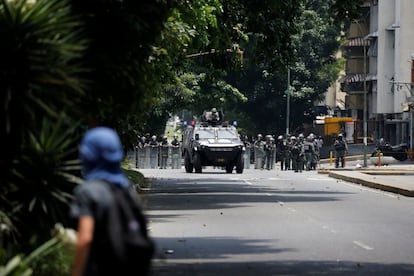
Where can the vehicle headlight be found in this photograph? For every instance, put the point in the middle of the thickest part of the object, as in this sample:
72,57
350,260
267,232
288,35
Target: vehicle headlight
195,148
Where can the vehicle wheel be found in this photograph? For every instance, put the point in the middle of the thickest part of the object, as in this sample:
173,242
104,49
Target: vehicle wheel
240,164
197,163
229,168
401,156
187,164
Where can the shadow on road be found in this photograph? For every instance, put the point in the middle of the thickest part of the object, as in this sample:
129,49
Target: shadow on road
281,267
225,193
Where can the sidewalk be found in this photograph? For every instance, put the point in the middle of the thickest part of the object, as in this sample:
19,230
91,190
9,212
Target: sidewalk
396,178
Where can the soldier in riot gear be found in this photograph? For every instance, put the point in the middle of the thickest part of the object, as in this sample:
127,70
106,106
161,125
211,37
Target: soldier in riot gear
301,140
273,154
153,145
318,144
282,148
215,117
142,142
164,147
289,152
175,152
268,150
340,149
309,151
296,149
259,152
141,152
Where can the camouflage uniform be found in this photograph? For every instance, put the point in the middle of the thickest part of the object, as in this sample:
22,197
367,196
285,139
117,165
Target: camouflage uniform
259,153
340,149
296,149
175,153
164,147
309,150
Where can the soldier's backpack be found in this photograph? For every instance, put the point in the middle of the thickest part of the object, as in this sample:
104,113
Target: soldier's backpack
128,246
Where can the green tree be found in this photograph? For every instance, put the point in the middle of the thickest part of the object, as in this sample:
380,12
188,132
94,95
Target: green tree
212,52
118,62
40,86
39,68
314,67
124,59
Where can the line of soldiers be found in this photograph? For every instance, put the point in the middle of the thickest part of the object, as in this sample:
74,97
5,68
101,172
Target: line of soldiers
294,153
159,152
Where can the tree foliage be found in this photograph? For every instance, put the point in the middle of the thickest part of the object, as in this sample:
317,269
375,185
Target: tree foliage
41,53
119,63
314,67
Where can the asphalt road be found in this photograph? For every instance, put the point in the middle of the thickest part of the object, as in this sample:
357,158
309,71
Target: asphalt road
276,223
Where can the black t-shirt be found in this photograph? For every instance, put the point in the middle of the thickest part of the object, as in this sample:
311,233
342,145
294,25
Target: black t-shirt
92,199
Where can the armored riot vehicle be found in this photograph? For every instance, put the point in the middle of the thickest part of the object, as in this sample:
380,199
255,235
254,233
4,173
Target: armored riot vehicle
212,142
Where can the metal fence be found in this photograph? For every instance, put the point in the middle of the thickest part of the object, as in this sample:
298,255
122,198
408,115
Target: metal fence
155,157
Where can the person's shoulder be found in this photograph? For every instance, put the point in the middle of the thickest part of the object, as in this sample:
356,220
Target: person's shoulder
93,189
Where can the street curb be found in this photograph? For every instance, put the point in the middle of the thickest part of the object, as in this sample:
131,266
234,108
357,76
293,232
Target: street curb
372,184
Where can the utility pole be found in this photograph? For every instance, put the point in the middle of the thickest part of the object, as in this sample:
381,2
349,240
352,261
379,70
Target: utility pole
364,108
287,102
364,118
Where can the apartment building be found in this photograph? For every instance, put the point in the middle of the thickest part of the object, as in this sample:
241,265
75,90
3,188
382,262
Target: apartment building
379,53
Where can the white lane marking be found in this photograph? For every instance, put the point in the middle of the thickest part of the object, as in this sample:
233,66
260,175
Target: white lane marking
278,178
362,245
248,182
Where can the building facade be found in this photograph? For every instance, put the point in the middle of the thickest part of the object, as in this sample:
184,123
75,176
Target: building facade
379,52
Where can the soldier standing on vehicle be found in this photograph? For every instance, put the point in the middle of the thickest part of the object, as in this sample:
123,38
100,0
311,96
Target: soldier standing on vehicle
340,149
175,152
259,152
164,148
215,117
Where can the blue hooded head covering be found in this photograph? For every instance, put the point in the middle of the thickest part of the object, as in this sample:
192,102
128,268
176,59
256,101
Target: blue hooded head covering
101,154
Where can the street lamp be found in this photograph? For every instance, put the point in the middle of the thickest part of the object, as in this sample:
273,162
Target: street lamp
287,102
364,117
